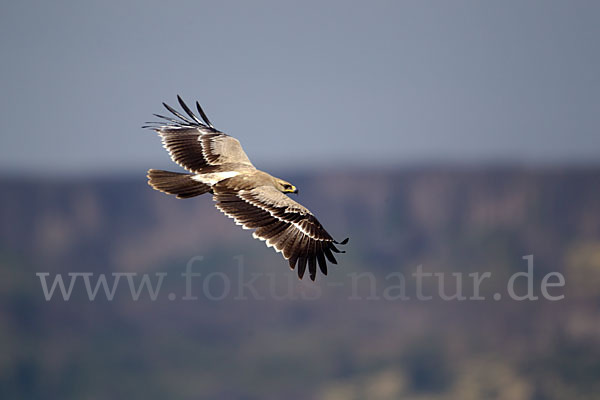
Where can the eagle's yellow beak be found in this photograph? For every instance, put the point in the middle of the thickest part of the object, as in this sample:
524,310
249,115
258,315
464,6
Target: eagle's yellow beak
291,189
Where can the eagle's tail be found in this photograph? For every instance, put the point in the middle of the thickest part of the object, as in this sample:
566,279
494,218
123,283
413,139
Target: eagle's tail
181,185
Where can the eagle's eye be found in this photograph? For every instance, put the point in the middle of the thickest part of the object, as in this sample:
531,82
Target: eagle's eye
287,187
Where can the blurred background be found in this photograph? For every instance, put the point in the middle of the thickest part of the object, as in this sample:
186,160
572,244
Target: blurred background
460,136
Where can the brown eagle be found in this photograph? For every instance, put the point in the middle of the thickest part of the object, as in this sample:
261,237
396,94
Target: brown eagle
252,198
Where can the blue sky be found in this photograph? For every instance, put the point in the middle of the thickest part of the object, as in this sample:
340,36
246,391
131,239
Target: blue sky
302,84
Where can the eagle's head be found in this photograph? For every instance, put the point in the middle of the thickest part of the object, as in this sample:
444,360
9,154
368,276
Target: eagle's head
285,187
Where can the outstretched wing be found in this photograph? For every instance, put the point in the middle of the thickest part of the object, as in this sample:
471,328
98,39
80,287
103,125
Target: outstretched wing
195,144
283,223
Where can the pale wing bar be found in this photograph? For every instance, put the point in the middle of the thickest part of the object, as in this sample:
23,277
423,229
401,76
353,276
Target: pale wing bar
195,145
283,224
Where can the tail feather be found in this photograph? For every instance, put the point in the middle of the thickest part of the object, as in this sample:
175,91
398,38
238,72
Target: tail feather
181,185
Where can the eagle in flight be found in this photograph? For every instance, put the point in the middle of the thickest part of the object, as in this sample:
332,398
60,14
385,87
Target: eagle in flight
217,164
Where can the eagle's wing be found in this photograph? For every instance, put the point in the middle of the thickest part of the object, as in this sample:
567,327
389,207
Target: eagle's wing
196,144
283,223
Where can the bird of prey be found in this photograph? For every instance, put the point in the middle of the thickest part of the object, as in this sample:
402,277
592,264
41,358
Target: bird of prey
217,164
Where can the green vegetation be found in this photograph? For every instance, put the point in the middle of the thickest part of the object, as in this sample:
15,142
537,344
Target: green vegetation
329,348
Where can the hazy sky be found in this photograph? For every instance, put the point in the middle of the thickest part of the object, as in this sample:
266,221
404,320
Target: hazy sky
305,83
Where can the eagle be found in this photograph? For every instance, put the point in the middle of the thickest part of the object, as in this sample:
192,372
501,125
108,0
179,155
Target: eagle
254,199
